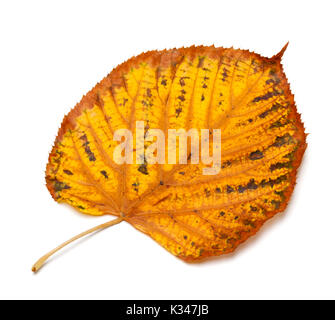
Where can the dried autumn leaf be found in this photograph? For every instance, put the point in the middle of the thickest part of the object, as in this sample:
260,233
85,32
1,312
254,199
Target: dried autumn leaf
192,215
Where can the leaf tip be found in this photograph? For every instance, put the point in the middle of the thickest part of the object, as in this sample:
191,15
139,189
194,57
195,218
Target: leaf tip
280,54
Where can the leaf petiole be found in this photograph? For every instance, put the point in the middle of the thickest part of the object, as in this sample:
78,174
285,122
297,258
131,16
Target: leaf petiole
39,263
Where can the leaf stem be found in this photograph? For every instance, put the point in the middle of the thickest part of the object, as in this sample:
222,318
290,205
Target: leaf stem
39,263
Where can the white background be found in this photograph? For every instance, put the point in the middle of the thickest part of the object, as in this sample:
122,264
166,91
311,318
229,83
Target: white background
51,53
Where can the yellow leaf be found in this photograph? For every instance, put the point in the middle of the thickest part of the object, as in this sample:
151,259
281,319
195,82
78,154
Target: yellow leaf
190,214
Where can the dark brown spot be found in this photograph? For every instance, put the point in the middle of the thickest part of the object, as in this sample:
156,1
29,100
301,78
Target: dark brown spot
290,155
90,154
59,186
241,189
279,123
83,137
252,185
182,81
273,108
201,62
68,172
249,223
224,74
104,173
276,203
285,139
178,111
88,151
143,169
223,236
281,194
280,165
267,96
273,182
226,164
135,186
256,155
229,189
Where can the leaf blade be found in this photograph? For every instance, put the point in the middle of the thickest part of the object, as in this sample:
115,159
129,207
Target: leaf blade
193,216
